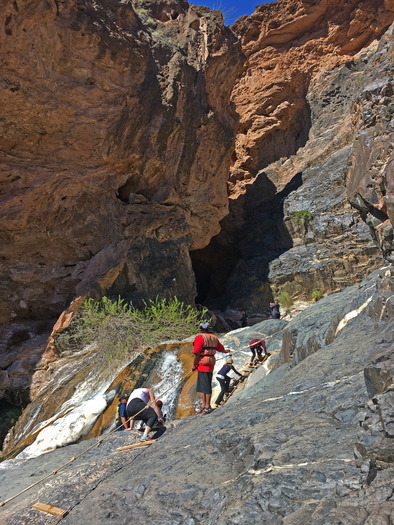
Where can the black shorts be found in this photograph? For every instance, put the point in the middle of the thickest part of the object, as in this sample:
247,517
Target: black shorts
204,382
147,415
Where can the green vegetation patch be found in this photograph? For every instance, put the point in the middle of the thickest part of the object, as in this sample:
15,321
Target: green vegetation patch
285,299
117,329
303,216
317,294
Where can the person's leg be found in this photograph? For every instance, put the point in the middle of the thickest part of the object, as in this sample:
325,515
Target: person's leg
200,389
204,385
208,401
146,432
222,391
149,416
159,431
253,355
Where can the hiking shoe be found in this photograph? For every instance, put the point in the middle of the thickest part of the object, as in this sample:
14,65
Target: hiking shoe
146,438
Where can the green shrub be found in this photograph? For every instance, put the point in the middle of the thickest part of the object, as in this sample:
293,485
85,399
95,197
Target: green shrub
285,299
116,329
303,216
316,295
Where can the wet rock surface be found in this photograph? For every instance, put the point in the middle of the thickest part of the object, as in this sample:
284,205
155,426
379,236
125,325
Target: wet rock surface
304,444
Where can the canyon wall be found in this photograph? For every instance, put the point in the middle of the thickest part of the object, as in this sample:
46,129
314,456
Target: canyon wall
301,154
116,136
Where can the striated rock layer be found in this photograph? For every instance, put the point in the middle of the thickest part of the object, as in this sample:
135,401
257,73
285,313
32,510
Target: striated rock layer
116,135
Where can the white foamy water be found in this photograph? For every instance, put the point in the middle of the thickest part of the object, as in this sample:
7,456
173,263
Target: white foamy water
83,408
170,370
67,429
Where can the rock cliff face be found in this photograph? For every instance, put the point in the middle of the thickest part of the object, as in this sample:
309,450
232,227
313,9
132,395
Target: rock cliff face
116,133
286,43
304,99
371,180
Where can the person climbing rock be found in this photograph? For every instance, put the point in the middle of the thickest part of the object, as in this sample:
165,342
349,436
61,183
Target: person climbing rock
274,310
244,319
257,346
205,345
121,418
224,379
136,406
158,424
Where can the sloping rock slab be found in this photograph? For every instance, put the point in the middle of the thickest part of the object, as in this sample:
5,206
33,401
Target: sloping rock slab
281,452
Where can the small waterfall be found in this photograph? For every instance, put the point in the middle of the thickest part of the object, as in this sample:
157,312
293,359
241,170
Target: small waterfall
169,371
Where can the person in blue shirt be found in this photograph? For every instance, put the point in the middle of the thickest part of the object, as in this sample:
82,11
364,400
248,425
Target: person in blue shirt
121,415
224,379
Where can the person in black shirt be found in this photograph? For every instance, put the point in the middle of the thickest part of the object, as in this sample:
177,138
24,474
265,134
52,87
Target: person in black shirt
274,309
121,415
244,319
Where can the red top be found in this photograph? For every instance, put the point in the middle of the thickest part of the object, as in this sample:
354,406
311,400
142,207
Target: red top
198,349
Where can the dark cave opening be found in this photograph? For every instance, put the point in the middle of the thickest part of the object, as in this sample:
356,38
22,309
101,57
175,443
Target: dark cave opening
251,236
212,267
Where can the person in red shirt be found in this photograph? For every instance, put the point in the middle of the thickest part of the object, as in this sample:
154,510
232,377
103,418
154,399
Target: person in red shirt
205,346
258,345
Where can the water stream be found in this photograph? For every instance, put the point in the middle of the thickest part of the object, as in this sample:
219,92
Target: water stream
170,371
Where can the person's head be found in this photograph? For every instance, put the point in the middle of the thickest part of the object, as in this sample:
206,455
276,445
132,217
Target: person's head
159,403
229,361
205,327
123,399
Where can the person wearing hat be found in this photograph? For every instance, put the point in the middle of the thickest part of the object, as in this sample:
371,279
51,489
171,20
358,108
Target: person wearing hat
224,379
205,345
121,414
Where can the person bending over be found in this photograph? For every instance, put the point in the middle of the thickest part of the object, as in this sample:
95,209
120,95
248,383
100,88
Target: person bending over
136,408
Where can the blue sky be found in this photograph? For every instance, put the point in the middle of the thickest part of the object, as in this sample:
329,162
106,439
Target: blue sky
233,8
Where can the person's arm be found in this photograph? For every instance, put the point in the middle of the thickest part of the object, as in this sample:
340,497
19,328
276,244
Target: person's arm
220,348
154,404
123,418
197,347
195,362
236,371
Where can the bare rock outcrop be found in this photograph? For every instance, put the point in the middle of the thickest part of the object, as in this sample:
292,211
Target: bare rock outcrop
309,443
286,43
116,137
